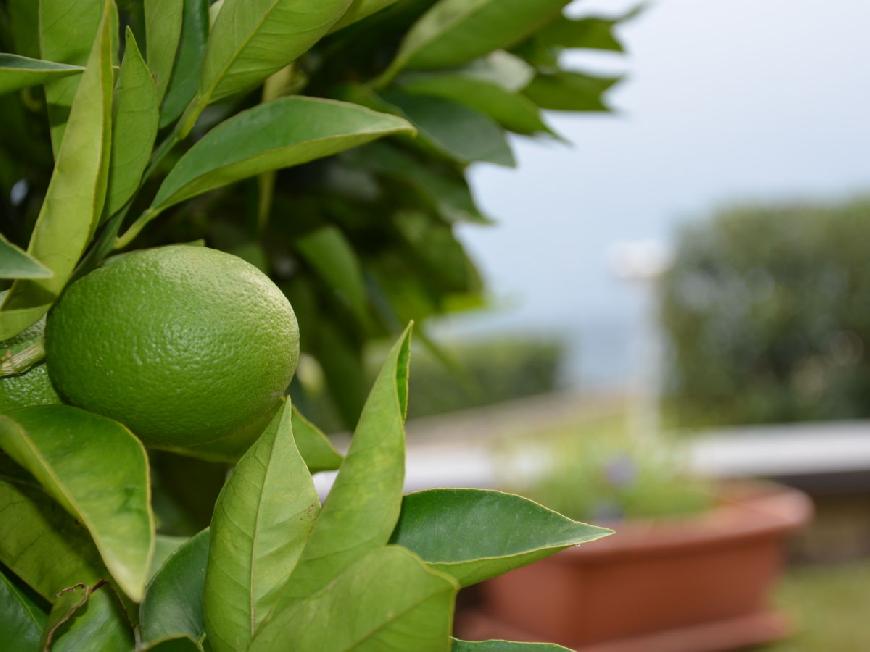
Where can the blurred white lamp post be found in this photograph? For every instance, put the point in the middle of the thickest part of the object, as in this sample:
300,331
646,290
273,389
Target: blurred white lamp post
642,262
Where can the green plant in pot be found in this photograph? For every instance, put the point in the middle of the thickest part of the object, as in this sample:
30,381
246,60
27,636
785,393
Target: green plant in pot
145,392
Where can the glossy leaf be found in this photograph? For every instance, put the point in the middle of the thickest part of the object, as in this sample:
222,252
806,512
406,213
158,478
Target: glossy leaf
74,199
262,520
386,600
42,544
570,91
97,470
163,19
511,110
66,35
363,505
172,608
504,646
473,534
251,39
454,32
20,72
21,619
333,259
99,626
15,263
316,449
288,131
191,47
453,129
360,9
134,128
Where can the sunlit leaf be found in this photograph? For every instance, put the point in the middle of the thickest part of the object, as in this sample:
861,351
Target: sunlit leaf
15,263
97,470
74,199
472,534
316,449
134,128
66,35
386,600
41,543
360,9
251,39
288,131
163,19
19,72
262,521
454,32
362,507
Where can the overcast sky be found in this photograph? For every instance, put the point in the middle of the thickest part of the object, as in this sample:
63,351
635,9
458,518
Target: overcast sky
724,101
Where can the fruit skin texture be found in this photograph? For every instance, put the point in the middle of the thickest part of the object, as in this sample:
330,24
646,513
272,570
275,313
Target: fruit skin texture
191,348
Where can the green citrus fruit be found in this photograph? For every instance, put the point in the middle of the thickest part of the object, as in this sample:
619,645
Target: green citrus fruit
191,348
31,387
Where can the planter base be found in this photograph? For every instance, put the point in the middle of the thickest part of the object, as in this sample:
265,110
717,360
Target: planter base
720,636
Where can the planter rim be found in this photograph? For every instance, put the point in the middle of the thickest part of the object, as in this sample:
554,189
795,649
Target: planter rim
744,510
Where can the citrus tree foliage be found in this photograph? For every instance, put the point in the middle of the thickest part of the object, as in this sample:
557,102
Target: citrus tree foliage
327,142
362,241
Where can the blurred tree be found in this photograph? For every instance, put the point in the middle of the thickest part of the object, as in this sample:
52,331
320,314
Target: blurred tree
767,312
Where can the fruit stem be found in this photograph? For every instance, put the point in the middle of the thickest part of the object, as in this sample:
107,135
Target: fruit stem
17,362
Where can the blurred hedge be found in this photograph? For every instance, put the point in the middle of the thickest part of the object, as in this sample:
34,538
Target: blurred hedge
466,375
767,313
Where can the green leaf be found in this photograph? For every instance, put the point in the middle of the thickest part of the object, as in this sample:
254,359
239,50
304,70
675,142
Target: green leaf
504,646
453,129
473,534
21,619
164,547
570,91
340,358
24,26
446,190
361,510
42,544
316,449
251,39
15,263
97,470
589,32
288,131
387,600
74,199
511,110
191,47
134,128
454,32
172,608
66,35
67,603
261,522
163,19
360,9
100,626
19,72
333,259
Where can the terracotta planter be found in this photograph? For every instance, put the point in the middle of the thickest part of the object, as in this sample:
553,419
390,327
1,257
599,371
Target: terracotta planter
694,585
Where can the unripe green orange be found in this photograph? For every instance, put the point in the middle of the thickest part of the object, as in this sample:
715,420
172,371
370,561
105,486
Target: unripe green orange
191,348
